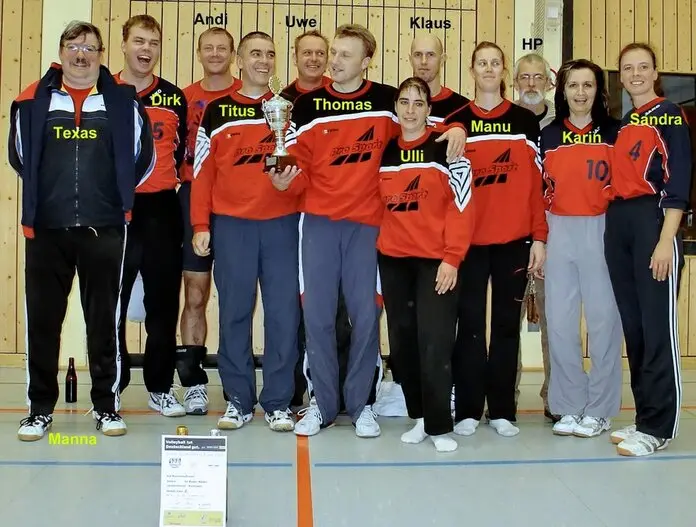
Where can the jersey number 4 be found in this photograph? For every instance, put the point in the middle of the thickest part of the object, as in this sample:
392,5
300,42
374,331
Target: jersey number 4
635,151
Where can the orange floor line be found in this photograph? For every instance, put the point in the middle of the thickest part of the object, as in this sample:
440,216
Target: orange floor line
305,510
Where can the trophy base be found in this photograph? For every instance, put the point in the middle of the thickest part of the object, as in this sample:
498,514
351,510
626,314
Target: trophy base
280,163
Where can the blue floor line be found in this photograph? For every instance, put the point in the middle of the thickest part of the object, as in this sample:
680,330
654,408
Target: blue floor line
38,463
504,462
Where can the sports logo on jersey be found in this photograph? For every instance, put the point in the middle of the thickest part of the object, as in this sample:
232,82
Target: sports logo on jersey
256,154
361,150
497,172
407,200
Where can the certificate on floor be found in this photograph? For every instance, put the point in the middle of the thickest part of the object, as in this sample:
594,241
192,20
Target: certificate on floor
194,481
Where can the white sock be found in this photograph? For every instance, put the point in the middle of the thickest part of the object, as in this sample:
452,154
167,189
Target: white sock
444,443
466,427
416,434
504,427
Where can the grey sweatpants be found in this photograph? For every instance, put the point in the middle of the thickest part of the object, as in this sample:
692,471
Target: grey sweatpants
576,274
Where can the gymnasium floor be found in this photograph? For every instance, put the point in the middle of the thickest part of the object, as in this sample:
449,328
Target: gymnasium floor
336,479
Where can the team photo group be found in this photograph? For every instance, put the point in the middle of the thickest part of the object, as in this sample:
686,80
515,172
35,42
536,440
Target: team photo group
342,198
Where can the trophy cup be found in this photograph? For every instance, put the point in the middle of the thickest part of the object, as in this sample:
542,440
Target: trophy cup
277,113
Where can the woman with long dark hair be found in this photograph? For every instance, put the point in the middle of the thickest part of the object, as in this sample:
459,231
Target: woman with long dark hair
508,243
576,158
651,178
424,236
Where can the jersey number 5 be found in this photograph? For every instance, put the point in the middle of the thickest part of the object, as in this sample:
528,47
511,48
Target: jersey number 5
157,131
635,151
597,169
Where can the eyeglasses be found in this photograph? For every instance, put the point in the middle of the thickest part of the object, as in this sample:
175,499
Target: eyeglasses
536,78
87,49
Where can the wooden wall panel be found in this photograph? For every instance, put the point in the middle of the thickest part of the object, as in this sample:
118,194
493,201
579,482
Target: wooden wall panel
602,27
10,86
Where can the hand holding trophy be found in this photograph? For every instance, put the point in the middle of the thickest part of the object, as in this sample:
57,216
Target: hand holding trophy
280,165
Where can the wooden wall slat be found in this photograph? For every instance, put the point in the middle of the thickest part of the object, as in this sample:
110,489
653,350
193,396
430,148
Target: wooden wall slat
504,36
669,37
30,72
690,329
170,16
684,37
120,12
613,28
10,83
598,33
101,13
186,45
455,62
626,16
485,20
641,21
468,44
656,30
582,32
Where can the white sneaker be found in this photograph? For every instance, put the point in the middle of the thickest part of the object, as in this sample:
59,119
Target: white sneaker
622,434
311,421
280,421
640,444
166,404
196,400
466,427
566,426
592,426
367,425
34,427
504,427
233,419
110,423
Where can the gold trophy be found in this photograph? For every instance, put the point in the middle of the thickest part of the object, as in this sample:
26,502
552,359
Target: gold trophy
277,112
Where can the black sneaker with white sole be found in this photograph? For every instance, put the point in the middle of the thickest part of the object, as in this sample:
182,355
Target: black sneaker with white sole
110,423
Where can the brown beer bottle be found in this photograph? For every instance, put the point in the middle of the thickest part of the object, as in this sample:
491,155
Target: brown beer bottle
71,383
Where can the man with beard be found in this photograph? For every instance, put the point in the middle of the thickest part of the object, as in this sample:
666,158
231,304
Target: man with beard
215,53
153,245
533,79
310,58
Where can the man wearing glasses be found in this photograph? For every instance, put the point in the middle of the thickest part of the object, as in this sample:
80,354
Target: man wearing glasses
533,79
81,144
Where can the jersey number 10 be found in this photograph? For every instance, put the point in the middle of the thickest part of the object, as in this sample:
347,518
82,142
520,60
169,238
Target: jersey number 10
598,169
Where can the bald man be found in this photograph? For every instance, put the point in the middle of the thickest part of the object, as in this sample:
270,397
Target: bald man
427,57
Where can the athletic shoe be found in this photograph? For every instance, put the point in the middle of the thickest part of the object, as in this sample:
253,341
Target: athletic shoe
166,404
280,421
592,426
196,400
621,435
34,427
110,423
640,444
233,419
367,425
311,422
566,425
